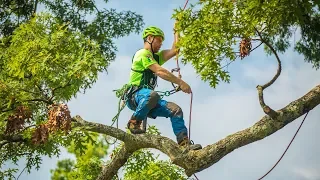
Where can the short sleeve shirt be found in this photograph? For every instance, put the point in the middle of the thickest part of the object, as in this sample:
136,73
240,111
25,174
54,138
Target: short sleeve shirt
141,61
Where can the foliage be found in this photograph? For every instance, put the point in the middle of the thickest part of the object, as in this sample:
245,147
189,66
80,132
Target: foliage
100,25
143,164
158,170
46,59
52,57
211,31
88,159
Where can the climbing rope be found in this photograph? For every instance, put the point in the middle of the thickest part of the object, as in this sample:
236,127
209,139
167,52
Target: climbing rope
286,148
179,74
115,119
177,88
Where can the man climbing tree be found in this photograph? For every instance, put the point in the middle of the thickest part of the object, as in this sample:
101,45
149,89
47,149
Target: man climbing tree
51,58
141,97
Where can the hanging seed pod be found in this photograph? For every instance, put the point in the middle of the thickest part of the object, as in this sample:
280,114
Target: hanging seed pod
245,47
17,121
40,135
59,118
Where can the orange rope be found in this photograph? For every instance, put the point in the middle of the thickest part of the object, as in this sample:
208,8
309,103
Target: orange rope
286,148
178,69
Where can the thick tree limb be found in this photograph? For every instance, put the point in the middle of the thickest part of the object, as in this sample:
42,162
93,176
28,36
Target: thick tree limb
135,142
199,160
195,161
117,162
266,109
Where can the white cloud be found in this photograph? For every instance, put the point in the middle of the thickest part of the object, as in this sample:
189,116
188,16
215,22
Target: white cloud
308,173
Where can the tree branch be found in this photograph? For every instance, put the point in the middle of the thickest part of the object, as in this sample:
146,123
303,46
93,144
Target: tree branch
263,128
2,110
195,161
35,6
109,171
4,139
59,87
40,100
269,111
256,47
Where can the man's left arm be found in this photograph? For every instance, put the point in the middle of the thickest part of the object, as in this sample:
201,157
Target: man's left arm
169,53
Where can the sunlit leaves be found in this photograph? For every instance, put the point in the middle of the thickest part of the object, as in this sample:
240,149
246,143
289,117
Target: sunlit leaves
48,58
158,170
54,56
89,150
142,165
211,31
145,164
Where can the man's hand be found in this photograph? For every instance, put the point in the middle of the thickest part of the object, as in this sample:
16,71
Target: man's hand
185,87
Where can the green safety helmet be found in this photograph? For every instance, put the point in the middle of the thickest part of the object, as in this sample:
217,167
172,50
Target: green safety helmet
154,31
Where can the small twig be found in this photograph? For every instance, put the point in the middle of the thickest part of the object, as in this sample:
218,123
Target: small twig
269,111
227,64
7,110
25,90
29,127
21,172
3,143
35,6
256,47
96,7
255,39
24,154
40,100
57,88
278,59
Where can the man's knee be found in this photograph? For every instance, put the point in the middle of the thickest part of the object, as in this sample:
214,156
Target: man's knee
153,100
175,110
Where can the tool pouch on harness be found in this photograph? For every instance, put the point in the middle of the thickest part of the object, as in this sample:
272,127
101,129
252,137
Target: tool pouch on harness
129,96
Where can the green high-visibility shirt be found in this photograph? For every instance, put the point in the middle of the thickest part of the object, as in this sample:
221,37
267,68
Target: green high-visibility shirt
141,61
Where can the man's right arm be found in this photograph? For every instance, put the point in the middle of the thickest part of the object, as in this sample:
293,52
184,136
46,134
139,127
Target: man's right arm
166,75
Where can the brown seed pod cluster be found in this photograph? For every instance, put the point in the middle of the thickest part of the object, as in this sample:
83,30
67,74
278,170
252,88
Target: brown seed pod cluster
17,121
59,119
245,47
40,135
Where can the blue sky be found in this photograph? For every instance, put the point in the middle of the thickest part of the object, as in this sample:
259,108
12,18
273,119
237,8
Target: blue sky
216,112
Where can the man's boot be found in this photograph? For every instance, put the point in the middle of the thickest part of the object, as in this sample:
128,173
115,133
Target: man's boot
184,141
135,127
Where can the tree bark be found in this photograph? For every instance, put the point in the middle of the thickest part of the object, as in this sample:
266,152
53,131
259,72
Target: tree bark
117,162
195,161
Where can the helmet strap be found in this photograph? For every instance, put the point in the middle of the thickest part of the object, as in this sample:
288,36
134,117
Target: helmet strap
151,45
